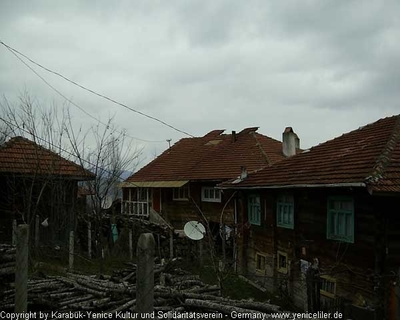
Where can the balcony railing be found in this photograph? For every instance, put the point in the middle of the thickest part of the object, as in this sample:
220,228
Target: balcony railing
136,208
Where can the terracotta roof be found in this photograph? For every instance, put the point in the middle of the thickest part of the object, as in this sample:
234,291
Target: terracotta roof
215,156
24,157
369,156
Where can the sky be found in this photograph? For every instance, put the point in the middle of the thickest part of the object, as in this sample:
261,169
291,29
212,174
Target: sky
321,67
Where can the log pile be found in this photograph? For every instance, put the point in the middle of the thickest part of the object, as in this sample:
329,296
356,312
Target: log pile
7,266
175,290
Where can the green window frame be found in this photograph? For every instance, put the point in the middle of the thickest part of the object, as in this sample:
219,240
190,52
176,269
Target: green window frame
254,209
340,219
285,211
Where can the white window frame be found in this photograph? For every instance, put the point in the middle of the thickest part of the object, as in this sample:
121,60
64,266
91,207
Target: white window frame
206,193
179,194
281,268
260,255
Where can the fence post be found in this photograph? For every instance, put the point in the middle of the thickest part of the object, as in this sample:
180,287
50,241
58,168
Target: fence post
130,244
71,250
90,240
145,275
37,231
171,244
14,232
21,269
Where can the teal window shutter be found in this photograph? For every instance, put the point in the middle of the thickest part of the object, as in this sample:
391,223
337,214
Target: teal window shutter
340,219
254,209
285,211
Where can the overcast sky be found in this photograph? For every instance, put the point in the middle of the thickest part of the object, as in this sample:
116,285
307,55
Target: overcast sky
322,67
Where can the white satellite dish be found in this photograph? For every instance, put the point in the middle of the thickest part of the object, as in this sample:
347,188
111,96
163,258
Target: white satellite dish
194,230
106,202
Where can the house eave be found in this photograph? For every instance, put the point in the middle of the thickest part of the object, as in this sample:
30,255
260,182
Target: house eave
326,185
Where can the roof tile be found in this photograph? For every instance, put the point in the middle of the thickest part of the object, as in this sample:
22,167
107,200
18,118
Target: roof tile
22,156
370,154
203,158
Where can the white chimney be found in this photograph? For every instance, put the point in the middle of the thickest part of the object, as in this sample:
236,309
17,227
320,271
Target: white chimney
290,142
243,173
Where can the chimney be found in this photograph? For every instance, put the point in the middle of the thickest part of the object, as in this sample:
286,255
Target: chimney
243,173
234,138
290,142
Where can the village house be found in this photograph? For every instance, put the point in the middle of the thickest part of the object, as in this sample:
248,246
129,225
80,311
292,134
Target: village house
180,183
326,221
39,188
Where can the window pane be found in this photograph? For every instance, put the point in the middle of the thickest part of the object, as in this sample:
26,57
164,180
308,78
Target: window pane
332,223
349,224
217,194
211,193
206,196
346,205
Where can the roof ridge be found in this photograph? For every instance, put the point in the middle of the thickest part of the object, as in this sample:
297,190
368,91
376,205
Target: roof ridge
385,156
264,154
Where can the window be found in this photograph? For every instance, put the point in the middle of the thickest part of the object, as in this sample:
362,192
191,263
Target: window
254,209
284,212
340,216
210,194
282,262
260,262
181,193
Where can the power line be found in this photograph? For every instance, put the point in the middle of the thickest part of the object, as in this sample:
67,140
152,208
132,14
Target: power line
73,103
94,92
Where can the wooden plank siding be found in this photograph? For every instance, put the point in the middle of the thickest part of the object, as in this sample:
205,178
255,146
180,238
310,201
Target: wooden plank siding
178,212
351,265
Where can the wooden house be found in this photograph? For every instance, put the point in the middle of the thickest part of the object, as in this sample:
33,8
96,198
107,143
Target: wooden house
327,220
180,183
39,188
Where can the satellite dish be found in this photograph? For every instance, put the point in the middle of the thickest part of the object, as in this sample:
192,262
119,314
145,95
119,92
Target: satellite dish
45,222
106,203
194,230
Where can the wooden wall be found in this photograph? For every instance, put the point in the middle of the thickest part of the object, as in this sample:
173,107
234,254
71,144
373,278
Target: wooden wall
352,265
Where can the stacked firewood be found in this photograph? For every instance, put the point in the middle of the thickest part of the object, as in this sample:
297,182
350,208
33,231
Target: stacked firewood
175,290
7,260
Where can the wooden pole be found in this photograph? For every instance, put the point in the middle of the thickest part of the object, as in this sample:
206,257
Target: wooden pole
14,232
130,244
37,222
21,269
71,250
145,276
171,244
90,240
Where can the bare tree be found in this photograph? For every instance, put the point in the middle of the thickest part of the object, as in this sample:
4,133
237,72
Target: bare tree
35,188
101,149
105,151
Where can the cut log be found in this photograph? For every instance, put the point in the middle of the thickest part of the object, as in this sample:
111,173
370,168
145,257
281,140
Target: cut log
227,310
125,306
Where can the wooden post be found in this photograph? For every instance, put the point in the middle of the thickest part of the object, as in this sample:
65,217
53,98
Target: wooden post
171,244
14,232
89,240
37,235
201,252
71,250
130,244
223,236
21,269
145,275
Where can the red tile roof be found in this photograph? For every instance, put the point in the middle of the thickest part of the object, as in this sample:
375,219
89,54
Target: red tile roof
367,156
212,157
24,157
